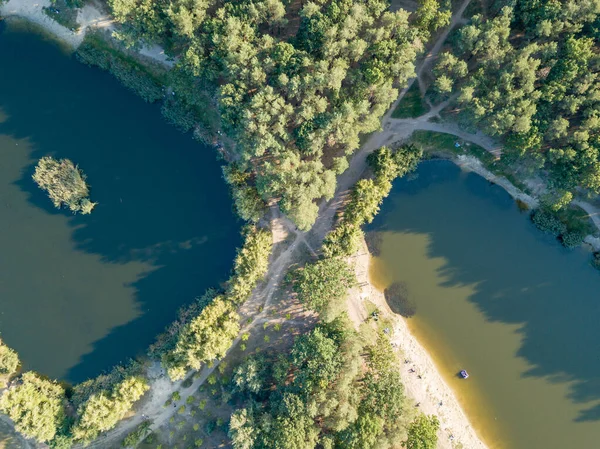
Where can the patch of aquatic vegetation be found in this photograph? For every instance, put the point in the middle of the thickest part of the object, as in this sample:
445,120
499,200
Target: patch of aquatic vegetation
65,184
95,51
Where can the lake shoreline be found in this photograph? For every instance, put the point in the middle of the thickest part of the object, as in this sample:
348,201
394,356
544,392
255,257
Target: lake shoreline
430,389
26,10
472,164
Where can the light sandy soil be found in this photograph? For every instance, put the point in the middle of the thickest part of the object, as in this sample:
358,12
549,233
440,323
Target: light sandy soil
88,17
428,391
32,11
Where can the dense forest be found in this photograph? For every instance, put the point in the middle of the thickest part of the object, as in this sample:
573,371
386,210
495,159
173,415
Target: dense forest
295,83
527,71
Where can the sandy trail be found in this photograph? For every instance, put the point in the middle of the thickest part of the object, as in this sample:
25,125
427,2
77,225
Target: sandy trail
161,388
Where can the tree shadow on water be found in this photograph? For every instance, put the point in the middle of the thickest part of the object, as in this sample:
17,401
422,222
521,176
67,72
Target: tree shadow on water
161,198
521,276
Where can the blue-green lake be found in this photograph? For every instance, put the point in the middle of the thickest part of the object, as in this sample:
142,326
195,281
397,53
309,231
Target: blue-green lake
79,294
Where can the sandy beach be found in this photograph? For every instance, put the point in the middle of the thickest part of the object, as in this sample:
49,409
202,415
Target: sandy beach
430,389
32,10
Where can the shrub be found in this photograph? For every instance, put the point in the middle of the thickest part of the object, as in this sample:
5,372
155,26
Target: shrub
547,222
65,184
178,114
596,261
9,360
572,239
133,438
188,382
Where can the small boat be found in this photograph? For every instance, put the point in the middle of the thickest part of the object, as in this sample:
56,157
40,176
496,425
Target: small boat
464,374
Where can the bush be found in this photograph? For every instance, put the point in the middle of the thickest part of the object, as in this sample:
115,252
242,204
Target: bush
65,184
596,261
572,239
9,360
547,222
178,114
137,435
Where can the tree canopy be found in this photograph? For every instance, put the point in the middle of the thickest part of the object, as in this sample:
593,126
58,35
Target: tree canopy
322,286
36,406
528,73
294,89
328,391
9,360
65,184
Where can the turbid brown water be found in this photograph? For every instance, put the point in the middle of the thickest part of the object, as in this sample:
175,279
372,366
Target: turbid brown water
81,293
495,296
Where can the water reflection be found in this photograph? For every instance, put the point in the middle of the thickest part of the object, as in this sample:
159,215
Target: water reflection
80,293
494,294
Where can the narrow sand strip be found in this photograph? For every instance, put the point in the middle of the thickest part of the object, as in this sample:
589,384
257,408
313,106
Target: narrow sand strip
430,389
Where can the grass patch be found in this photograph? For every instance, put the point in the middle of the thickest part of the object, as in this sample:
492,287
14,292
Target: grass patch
411,105
446,143
62,13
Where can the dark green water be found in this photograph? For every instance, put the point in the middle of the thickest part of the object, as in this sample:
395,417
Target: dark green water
497,297
81,293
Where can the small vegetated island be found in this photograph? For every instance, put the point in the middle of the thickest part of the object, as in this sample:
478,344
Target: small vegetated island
64,182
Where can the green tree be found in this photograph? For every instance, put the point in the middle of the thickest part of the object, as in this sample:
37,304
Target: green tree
206,338
36,406
422,433
322,286
9,360
103,410
65,184
242,429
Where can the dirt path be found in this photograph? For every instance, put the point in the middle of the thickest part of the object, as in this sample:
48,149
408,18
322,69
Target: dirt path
161,388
